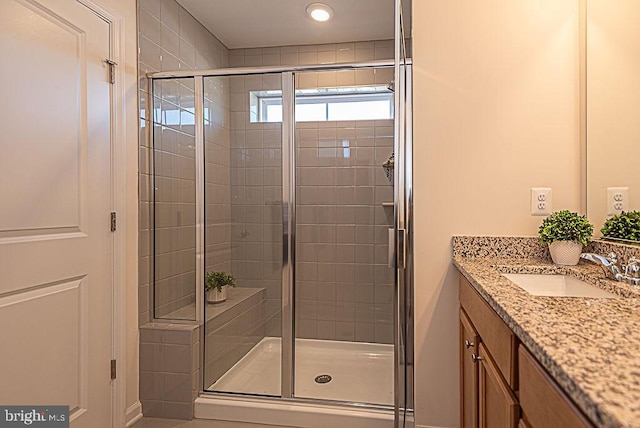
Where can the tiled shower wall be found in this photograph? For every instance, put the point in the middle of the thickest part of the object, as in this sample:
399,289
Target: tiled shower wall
175,189
217,140
313,54
344,289
171,39
256,197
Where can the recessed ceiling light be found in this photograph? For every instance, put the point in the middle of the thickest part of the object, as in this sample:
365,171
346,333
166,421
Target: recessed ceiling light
319,12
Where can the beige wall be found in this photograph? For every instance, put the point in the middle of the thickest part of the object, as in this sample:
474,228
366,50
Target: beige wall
496,113
613,103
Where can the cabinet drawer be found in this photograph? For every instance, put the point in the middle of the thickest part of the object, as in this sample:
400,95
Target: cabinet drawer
496,336
543,403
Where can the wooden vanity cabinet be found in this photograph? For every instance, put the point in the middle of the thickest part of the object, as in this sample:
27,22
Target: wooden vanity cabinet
487,365
497,404
468,373
501,383
543,402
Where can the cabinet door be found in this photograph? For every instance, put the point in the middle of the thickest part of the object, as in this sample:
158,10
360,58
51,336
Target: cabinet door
468,373
497,404
543,402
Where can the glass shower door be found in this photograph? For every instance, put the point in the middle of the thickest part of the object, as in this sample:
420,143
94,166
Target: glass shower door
243,199
403,219
344,209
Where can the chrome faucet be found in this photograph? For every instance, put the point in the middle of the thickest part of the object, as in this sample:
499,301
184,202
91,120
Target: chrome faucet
610,266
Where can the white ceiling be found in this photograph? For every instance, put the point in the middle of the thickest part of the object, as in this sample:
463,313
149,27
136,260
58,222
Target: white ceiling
261,23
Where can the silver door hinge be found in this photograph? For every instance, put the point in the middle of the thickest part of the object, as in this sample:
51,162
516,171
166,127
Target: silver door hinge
112,70
113,369
113,222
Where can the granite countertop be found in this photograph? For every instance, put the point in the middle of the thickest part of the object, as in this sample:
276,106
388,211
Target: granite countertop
590,346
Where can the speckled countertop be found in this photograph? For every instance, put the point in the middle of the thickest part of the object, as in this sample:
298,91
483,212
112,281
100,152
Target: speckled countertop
590,346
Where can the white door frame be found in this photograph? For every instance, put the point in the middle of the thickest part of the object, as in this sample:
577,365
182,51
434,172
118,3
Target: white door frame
118,205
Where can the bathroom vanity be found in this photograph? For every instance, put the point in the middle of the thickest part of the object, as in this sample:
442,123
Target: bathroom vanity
543,361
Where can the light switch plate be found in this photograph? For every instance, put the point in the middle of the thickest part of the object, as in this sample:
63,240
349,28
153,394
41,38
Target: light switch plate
541,200
617,200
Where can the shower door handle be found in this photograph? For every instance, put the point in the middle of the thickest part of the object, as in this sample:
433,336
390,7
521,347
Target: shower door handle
391,262
397,255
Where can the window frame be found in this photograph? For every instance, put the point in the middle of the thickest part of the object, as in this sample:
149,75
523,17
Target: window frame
304,97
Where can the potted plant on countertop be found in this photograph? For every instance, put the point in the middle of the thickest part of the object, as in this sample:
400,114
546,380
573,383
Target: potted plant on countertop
624,226
565,232
216,285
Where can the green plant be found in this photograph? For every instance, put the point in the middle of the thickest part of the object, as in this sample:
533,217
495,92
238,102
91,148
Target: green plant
623,226
565,226
218,280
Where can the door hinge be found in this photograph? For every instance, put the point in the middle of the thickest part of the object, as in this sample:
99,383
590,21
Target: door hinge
113,369
113,222
112,70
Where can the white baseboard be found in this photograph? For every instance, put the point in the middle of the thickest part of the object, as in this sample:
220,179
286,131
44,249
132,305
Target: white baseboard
134,414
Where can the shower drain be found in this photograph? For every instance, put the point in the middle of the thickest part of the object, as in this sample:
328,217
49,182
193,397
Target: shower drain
323,378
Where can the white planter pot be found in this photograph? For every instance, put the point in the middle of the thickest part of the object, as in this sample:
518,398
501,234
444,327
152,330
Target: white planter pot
565,253
215,296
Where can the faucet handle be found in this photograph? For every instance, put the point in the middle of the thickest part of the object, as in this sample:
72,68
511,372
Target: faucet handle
632,267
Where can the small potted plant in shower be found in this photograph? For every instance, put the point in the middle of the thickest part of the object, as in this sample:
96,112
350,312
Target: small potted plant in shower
565,232
216,285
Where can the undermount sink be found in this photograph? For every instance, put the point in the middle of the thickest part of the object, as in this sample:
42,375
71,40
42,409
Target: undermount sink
556,285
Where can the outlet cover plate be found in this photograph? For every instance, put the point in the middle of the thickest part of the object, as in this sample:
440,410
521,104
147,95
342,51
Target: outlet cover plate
617,200
541,201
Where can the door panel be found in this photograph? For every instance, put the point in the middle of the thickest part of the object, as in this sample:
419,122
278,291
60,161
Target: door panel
497,405
468,373
243,173
344,288
403,294
55,183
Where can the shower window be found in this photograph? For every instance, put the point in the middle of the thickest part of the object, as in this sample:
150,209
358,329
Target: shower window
325,104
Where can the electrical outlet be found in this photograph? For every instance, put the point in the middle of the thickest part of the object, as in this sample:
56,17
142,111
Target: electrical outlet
617,200
541,201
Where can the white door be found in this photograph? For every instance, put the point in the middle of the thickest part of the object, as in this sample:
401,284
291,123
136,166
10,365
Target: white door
56,252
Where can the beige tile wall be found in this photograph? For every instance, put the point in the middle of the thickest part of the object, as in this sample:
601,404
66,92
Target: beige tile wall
344,287
256,197
217,141
169,369
312,54
171,39
233,332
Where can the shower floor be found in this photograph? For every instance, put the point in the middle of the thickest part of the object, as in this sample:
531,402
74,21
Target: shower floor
360,372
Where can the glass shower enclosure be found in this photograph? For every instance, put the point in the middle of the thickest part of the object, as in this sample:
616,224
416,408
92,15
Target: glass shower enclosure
276,177
297,182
